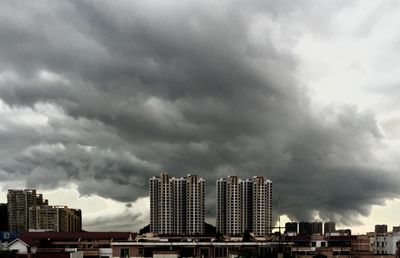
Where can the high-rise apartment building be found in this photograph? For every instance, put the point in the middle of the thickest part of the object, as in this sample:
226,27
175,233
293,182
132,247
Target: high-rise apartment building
291,228
28,210
177,205
262,206
234,206
246,189
304,228
316,228
244,205
221,217
55,218
19,202
329,227
195,207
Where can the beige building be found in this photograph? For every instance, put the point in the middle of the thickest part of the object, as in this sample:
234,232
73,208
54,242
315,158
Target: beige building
244,205
177,205
28,210
262,206
18,204
55,218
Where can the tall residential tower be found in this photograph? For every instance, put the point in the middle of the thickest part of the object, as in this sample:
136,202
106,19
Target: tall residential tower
177,205
244,205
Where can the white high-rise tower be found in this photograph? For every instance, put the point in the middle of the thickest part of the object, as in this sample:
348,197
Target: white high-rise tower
177,205
244,205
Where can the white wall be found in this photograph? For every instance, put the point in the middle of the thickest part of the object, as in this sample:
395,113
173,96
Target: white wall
105,252
19,246
389,243
76,255
165,255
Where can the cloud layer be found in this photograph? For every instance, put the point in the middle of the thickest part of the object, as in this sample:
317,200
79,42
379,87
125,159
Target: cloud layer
106,94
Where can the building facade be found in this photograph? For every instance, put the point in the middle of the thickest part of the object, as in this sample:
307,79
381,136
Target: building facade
28,210
291,228
19,202
244,205
3,217
55,218
195,205
234,206
381,229
386,244
262,206
316,228
329,227
222,185
177,205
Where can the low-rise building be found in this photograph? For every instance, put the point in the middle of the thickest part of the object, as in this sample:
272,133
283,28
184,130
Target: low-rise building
67,244
386,244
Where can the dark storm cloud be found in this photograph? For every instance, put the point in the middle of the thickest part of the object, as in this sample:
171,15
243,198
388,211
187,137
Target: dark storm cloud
133,88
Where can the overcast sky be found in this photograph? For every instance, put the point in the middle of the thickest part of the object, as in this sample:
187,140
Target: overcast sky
97,96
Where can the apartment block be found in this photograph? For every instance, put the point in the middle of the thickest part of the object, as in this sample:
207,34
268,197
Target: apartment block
234,206
221,216
329,227
195,205
244,205
55,218
19,202
291,228
381,229
262,206
177,205
28,210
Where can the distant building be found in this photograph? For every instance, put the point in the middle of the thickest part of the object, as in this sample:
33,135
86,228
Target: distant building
396,229
304,228
19,202
3,217
316,228
344,232
244,205
55,218
381,229
28,210
291,228
329,227
222,185
262,206
233,198
177,205
386,243
195,205
68,244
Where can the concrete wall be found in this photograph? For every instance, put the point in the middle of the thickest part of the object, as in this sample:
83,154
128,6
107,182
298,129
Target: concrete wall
77,255
19,246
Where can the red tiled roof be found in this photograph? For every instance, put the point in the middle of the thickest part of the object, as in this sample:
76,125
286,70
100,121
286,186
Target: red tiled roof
77,235
27,240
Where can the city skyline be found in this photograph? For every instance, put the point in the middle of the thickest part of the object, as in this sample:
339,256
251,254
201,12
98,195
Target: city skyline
175,217
97,96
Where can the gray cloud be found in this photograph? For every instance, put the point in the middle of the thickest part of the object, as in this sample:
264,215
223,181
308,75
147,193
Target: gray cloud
124,221
127,89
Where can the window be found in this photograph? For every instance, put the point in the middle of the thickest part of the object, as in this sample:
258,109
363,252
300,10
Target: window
124,253
141,251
